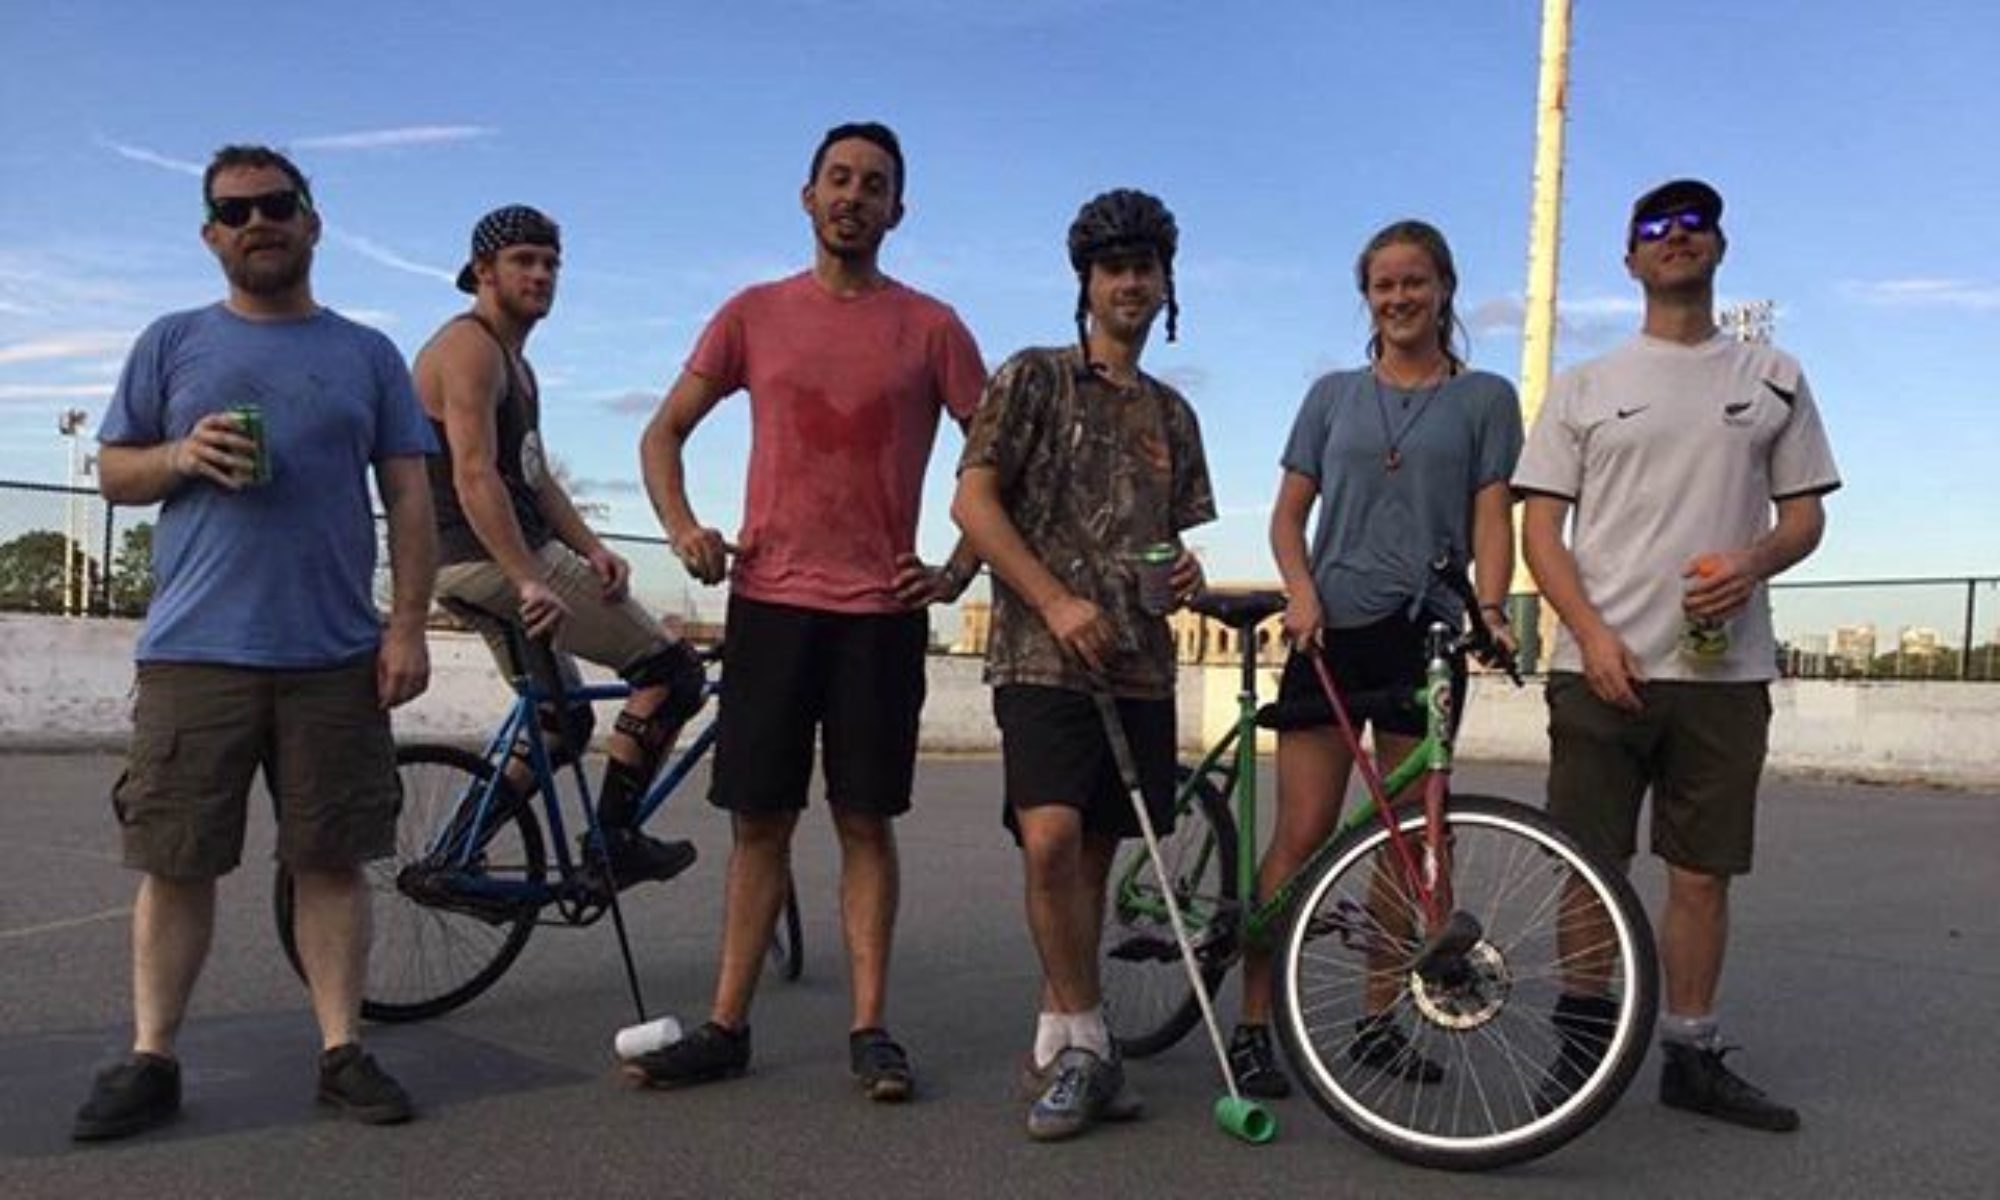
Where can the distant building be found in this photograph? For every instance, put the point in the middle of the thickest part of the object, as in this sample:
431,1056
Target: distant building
1854,646
1918,641
975,625
1197,640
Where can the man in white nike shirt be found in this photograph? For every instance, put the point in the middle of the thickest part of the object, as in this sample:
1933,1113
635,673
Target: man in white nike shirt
1695,464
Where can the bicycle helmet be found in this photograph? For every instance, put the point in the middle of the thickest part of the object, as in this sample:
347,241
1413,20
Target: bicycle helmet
1122,219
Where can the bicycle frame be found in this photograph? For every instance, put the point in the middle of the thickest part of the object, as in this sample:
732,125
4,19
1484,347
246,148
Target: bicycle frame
1430,759
459,841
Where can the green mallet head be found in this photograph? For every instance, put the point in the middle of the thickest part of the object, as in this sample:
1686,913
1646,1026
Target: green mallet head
1245,1119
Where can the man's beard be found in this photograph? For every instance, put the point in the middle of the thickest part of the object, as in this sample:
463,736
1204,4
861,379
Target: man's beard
861,250
268,275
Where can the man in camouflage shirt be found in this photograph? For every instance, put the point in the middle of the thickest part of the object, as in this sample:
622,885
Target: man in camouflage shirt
1075,463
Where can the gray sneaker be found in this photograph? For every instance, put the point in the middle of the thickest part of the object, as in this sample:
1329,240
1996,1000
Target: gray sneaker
1032,1081
1083,1088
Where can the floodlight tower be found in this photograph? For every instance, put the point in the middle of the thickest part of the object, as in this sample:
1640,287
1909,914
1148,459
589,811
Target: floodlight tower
1751,321
1538,322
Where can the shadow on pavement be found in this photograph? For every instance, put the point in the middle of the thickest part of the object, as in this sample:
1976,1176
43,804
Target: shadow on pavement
245,1073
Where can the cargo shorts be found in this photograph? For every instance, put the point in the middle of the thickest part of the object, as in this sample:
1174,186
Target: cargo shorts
200,733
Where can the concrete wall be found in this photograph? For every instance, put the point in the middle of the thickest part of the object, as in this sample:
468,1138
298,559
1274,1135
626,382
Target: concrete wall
66,683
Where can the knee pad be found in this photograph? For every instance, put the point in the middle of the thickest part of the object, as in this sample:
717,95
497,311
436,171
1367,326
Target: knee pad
678,668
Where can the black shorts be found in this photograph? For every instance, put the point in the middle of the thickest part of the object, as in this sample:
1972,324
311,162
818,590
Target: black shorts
854,679
1378,668
1054,750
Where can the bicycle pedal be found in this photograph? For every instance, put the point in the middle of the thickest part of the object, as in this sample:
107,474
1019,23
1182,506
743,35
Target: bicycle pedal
1144,948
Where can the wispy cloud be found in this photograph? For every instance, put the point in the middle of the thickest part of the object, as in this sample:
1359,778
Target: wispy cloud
604,487
377,252
408,135
631,402
1926,292
54,391
150,157
1592,320
93,345
378,318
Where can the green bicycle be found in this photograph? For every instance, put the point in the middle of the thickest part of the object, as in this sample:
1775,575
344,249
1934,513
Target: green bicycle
1462,918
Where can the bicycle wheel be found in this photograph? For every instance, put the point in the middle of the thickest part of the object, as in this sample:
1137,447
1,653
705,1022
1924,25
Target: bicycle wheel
1487,1016
788,943
436,942
1147,1000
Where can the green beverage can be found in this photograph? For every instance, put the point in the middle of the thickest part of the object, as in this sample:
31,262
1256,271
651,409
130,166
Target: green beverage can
1704,641
249,420
1156,578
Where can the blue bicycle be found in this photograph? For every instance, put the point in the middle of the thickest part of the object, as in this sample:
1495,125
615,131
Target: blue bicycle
477,868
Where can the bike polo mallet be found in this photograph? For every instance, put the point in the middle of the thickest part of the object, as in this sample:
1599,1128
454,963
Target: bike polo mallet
1239,1117
645,1034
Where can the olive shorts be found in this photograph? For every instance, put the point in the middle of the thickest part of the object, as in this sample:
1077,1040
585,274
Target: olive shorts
201,731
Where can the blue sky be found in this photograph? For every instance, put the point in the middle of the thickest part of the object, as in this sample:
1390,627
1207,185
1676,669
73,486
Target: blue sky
670,139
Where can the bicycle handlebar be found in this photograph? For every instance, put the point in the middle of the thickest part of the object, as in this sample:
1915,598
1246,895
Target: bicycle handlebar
1476,637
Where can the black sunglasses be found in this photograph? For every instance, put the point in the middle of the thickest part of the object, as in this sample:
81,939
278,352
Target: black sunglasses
1652,229
234,211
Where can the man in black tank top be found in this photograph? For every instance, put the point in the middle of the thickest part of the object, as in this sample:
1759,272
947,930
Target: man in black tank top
511,542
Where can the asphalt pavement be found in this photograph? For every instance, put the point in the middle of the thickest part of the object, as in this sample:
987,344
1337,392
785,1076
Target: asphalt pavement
1864,983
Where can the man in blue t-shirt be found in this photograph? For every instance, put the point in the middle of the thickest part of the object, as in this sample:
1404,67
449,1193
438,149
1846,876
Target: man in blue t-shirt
253,423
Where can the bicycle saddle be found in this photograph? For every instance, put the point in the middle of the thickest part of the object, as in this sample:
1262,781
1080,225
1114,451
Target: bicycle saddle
1238,610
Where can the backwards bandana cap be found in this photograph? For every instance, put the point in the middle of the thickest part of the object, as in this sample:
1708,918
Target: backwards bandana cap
513,225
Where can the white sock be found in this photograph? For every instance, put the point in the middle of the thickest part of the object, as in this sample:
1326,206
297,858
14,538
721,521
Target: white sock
1051,1036
1087,1031
1703,1032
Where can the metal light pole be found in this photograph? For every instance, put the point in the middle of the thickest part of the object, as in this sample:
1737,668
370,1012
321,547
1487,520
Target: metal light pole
70,424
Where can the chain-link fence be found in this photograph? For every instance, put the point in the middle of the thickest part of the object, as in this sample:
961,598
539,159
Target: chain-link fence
66,551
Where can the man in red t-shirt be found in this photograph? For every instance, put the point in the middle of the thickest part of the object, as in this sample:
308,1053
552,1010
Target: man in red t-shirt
847,372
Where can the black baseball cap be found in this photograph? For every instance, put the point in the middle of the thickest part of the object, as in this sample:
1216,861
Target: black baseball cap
511,225
1678,195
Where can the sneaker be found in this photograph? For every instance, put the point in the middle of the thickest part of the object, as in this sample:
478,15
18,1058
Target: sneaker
1380,1045
1697,1080
881,1066
635,858
704,1056
352,1081
1255,1065
1032,1081
1083,1088
1583,1027
130,1097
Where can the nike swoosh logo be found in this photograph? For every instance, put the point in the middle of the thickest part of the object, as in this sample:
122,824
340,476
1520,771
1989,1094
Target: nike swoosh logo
1789,397
1632,412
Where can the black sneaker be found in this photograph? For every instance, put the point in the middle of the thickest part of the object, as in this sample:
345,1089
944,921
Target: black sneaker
1583,1027
1696,1079
703,1056
1380,1045
352,1081
130,1097
881,1066
635,858
1255,1065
